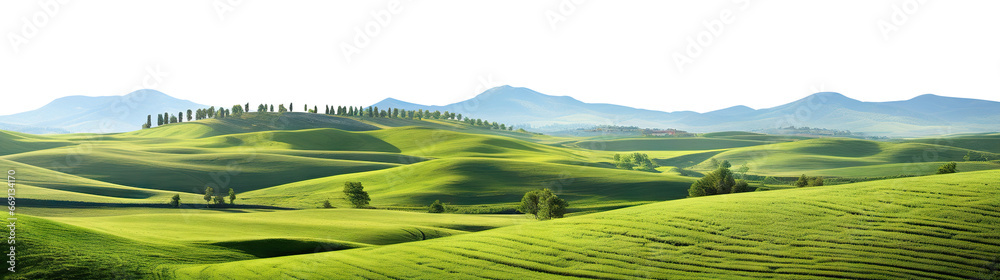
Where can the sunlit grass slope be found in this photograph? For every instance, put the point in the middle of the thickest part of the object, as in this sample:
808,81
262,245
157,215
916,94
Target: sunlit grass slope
53,250
13,142
933,227
256,122
833,155
987,142
361,226
473,181
192,172
411,141
666,144
139,246
250,123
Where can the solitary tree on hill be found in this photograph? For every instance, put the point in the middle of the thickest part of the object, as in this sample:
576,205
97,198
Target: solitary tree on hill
355,193
175,201
232,196
543,204
947,168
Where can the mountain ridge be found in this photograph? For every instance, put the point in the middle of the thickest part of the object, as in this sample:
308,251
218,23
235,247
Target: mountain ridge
97,114
926,114
922,115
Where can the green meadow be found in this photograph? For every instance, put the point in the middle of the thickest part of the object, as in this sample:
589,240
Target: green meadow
95,206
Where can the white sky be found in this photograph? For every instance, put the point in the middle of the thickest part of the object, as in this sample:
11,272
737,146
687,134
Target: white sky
437,52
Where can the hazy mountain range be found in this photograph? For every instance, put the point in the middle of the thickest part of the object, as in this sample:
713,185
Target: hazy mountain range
922,115
101,114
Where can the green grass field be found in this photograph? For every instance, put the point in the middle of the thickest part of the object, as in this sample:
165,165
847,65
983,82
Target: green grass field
93,206
476,181
144,245
843,157
935,227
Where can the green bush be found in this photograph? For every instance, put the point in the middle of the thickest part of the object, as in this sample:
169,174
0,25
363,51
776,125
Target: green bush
543,204
947,168
436,207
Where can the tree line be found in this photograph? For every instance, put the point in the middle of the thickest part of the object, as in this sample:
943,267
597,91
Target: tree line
543,204
212,197
634,161
345,111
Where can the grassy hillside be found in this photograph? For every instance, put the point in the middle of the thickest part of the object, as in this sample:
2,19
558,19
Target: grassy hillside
191,172
139,246
935,227
666,144
363,227
251,123
473,181
410,141
831,155
13,142
256,122
53,250
987,142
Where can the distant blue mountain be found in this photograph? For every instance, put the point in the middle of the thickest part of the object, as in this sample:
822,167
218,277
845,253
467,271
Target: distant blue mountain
923,115
102,114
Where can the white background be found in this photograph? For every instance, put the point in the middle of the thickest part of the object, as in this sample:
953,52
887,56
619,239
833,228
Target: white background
436,52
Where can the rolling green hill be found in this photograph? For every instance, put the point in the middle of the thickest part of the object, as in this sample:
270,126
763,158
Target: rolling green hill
141,246
666,144
252,122
987,142
62,251
13,142
475,181
831,155
936,227
192,172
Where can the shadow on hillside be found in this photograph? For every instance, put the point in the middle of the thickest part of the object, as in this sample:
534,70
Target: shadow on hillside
43,203
686,161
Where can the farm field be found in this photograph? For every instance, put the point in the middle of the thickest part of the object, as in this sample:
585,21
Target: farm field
81,192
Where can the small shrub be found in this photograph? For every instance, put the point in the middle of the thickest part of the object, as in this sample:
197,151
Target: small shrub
947,168
818,181
175,201
436,207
